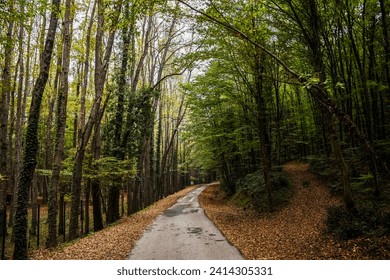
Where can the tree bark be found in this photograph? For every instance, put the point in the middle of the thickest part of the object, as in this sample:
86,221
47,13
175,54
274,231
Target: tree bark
31,139
119,151
96,207
101,67
262,125
4,112
62,99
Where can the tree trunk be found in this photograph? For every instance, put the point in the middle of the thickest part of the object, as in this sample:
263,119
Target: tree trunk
101,67
313,41
62,99
97,209
4,112
386,41
262,124
18,124
96,206
119,151
31,140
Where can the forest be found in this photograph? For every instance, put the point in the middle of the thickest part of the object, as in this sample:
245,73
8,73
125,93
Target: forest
108,106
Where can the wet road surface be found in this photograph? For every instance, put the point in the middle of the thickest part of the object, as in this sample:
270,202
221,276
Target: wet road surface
183,232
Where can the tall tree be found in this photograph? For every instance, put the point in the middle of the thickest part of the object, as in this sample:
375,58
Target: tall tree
101,67
31,139
4,111
118,151
62,98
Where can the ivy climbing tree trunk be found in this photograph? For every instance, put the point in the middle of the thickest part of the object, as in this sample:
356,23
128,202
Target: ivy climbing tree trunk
4,112
19,121
118,152
31,139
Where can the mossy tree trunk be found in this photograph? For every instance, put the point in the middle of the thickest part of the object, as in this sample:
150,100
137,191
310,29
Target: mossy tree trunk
118,151
4,112
31,139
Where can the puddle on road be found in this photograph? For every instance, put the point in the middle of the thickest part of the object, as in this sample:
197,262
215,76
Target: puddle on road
175,211
180,210
195,230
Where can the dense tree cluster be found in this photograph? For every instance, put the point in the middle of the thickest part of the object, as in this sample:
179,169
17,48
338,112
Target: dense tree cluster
89,92
292,79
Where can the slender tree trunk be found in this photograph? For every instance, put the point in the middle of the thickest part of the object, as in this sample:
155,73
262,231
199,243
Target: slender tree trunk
278,123
4,112
60,127
31,140
87,196
118,150
160,165
101,67
386,44
313,41
262,125
84,84
386,41
19,123
97,208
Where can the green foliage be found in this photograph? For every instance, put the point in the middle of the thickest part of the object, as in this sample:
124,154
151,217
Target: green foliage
328,171
111,169
383,149
251,189
368,221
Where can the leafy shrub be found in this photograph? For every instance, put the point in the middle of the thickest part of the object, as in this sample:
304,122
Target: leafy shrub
252,190
383,149
367,221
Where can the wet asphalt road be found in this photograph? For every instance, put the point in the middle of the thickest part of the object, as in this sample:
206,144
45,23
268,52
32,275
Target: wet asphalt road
183,232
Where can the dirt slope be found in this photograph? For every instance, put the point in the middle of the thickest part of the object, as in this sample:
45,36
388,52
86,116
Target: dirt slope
296,232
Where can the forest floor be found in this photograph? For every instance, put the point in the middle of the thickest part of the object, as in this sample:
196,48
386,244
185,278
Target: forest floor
114,242
296,232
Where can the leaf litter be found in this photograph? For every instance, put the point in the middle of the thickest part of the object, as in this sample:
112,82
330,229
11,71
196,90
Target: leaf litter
114,242
297,232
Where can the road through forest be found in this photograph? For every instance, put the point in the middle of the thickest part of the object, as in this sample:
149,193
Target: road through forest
183,232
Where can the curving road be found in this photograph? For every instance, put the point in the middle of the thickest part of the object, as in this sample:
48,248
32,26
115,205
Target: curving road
183,232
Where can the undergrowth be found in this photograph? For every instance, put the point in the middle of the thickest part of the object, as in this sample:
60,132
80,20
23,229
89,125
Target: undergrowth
252,193
371,217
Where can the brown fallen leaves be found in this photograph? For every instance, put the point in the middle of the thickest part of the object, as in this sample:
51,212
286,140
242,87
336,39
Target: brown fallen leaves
296,232
112,243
